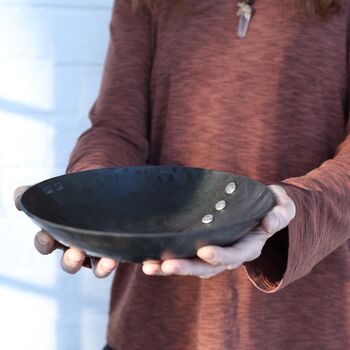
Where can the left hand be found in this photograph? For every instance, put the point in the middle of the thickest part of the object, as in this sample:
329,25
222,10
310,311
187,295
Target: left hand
73,258
213,260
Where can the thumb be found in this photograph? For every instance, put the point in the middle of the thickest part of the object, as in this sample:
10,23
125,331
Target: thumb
18,194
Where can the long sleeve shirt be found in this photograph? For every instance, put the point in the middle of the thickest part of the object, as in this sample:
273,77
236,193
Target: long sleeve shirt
180,88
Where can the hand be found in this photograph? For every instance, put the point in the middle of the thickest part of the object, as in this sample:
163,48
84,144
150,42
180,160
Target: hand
72,259
213,260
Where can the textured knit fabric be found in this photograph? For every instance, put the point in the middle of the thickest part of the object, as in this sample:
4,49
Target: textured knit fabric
180,88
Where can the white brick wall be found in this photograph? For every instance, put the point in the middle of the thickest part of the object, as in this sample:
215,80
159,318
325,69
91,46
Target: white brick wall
51,55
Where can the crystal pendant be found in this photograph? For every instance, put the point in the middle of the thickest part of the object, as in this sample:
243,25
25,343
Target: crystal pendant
245,13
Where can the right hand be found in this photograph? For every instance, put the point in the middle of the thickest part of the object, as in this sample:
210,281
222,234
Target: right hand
73,258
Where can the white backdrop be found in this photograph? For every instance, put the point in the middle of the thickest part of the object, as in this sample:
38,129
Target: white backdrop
51,56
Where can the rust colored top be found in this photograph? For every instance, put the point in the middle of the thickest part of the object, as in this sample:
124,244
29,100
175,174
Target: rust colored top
180,88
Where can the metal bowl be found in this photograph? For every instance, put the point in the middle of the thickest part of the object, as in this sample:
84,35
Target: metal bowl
152,212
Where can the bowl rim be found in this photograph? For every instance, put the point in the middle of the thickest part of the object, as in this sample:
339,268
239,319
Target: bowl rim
138,235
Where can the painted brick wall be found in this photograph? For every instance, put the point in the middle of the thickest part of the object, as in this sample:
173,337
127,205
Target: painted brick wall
51,56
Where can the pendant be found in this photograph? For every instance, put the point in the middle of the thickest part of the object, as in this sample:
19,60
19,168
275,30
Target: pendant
245,13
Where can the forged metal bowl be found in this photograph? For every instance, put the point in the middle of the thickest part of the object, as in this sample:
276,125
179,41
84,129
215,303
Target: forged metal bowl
152,212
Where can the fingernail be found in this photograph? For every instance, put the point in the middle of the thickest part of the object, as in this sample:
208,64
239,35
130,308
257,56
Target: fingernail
152,272
73,261
107,266
208,255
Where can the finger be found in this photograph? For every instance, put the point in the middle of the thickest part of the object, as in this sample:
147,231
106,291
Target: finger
277,219
152,267
72,260
190,267
45,244
282,198
18,194
280,194
247,248
104,267
280,216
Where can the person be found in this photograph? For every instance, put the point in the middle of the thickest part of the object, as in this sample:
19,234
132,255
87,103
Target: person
180,87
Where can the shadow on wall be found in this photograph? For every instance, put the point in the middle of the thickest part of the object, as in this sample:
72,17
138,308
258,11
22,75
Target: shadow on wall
51,58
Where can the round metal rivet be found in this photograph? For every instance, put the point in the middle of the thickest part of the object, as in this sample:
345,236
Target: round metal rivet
220,205
231,188
208,219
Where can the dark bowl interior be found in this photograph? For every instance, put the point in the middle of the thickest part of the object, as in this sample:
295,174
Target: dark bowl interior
150,212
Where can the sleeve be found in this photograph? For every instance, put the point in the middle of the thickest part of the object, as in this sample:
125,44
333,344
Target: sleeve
321,225
118,135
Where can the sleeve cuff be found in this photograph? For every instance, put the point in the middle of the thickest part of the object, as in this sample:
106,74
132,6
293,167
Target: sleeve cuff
282,260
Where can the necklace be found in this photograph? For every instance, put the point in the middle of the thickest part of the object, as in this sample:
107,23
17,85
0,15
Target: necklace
245,13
